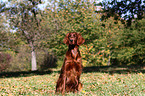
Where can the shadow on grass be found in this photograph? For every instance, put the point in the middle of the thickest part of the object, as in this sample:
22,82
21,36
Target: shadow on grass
102,69
115,69
23,73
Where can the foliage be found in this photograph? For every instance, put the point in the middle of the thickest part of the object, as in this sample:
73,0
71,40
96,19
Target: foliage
107,42
129,10
80,17
129,45
93,84
4,61
21,60
49,61
25,17
4,33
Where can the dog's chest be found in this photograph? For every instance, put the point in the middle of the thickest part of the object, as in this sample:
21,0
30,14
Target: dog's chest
74,53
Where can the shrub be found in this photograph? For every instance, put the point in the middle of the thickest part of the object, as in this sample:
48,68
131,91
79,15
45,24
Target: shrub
21,59
4,61
49,61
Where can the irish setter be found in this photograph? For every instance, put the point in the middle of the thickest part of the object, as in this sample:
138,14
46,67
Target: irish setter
69,79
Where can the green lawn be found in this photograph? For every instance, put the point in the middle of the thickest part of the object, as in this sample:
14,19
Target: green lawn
95,84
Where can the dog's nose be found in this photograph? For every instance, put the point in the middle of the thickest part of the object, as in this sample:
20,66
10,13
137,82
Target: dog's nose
71,40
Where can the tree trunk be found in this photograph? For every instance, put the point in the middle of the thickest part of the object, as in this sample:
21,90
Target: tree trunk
33,60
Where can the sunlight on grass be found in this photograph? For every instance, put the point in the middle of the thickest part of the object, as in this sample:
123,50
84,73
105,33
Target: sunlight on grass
95,84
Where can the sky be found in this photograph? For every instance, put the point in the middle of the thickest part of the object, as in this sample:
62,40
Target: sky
42,6
3,0
46,2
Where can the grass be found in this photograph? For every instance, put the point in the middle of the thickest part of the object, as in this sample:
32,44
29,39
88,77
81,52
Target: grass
95,84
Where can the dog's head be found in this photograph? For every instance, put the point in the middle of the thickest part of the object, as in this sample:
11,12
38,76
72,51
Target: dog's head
73,38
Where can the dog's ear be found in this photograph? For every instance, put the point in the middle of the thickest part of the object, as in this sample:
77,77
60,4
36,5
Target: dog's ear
66,40
80,39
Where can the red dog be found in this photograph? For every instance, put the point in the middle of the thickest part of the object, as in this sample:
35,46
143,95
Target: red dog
69,79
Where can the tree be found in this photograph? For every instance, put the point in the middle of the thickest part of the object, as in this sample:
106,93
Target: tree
79,16
25,18
3,34
105,42
127,11
3,29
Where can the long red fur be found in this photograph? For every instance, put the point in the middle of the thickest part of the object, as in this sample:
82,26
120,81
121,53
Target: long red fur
69,79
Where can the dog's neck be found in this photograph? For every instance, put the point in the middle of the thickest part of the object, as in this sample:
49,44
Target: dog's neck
74,50
71,47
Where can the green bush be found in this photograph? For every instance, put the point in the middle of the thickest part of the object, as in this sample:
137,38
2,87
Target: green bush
129,47
4,61
46,60
21,59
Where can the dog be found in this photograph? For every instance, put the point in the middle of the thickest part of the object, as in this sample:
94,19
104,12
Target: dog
69,79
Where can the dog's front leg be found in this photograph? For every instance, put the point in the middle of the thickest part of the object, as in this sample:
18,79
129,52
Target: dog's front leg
64,81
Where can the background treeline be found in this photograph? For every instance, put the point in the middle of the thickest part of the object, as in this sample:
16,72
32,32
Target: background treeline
30,32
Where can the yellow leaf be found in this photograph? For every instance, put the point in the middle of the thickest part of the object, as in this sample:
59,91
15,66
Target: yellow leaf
83,91
140,73
10,94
